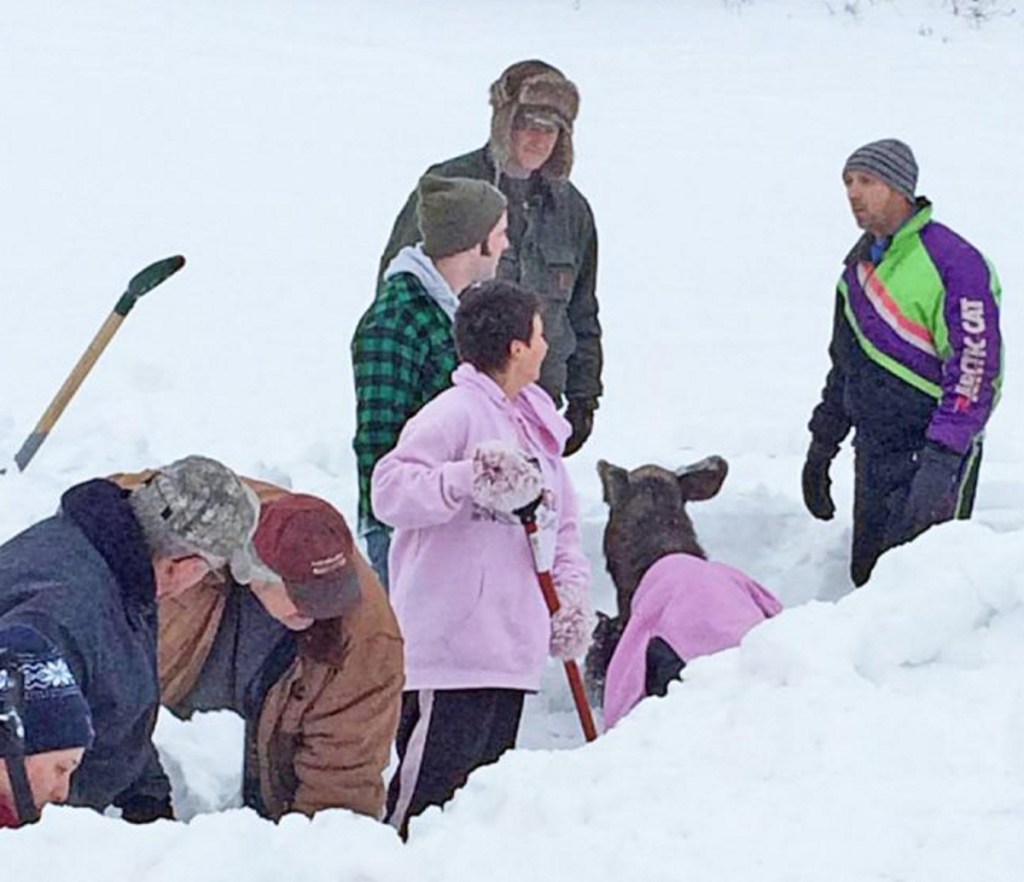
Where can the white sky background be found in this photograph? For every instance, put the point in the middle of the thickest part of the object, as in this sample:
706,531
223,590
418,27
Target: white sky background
273,142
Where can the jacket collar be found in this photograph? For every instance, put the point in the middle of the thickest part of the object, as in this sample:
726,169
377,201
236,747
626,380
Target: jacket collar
913,224
8,816
536,185
414,261
100,509
910,228
532,404
323,642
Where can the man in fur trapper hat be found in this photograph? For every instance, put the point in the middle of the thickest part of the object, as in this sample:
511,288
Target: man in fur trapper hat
553,241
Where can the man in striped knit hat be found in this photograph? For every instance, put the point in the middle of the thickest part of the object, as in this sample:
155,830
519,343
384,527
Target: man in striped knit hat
916,363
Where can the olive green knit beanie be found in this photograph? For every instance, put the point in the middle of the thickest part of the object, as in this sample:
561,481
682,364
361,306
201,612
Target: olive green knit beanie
455,214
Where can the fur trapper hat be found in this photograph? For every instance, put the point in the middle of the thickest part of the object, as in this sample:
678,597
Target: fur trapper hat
534,88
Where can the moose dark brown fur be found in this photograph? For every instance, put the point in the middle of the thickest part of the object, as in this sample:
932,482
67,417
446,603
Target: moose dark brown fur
647,519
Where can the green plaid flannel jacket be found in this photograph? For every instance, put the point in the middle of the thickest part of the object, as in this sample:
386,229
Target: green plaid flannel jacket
403,354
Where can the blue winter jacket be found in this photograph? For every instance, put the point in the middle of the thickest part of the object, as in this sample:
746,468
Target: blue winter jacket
84,579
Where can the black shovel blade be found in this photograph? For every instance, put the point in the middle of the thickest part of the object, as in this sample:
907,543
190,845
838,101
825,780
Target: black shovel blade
146,280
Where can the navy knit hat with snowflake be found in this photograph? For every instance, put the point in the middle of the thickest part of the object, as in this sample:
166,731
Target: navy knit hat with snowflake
54,714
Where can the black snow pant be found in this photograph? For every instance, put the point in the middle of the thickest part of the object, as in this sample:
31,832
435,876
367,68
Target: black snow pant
881,486
443,735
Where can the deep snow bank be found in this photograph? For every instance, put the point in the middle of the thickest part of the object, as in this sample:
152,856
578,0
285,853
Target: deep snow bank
876,738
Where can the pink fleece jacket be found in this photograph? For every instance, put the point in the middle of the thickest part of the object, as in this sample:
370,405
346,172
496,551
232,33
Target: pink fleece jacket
463,583
696,606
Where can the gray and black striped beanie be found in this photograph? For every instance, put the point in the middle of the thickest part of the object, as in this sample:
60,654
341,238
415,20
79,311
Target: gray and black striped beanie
890,161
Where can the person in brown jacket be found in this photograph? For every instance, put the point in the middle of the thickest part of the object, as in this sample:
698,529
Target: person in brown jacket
309,654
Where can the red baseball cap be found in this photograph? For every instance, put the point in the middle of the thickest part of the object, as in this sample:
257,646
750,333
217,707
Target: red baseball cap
307,543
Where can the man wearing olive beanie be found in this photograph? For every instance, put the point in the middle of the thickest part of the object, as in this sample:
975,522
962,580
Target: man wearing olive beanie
529,156
456,214
916,363
403,351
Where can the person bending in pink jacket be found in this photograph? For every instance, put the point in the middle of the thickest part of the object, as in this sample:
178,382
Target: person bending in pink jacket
477,632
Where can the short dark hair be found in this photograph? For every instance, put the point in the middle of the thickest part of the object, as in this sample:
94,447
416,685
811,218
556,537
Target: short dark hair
490,316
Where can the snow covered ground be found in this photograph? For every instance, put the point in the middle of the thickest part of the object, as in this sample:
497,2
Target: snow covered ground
880,737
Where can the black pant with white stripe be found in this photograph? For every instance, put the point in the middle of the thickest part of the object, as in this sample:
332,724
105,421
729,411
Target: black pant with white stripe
443,735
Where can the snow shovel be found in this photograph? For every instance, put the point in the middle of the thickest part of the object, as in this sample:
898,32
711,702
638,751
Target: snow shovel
528,518
142,282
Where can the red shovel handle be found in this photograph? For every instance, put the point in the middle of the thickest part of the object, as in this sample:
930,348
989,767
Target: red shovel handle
579,697
572,670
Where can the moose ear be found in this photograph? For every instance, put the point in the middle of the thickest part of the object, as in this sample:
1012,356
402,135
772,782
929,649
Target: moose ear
703,479
614,481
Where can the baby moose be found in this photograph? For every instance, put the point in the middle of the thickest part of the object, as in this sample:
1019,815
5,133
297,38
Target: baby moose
674,604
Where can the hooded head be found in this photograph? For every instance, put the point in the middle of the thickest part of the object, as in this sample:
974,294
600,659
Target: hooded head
534,93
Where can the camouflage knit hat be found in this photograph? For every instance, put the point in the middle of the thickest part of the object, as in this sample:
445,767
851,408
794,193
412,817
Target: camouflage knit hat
534,92
200,505
456,214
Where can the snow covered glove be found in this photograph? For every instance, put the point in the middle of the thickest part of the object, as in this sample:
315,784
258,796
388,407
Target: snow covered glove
817,485
573,624
933,493
580,414
504,477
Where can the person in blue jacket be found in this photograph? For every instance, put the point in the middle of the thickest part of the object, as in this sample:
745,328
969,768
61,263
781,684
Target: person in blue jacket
87,580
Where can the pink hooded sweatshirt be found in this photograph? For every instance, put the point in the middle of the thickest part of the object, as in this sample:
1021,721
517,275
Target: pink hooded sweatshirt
463,582
696,606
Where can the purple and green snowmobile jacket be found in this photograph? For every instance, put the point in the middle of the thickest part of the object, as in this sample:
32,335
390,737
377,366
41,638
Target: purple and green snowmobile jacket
916,347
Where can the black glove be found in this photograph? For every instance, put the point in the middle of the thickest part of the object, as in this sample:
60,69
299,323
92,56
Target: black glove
932,496
817,485
580,414
146,809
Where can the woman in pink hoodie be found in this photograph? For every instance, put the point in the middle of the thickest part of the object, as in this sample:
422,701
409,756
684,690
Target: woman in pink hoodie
463,579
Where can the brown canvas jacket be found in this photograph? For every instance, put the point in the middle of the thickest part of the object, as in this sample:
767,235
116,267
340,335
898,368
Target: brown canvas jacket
325,730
